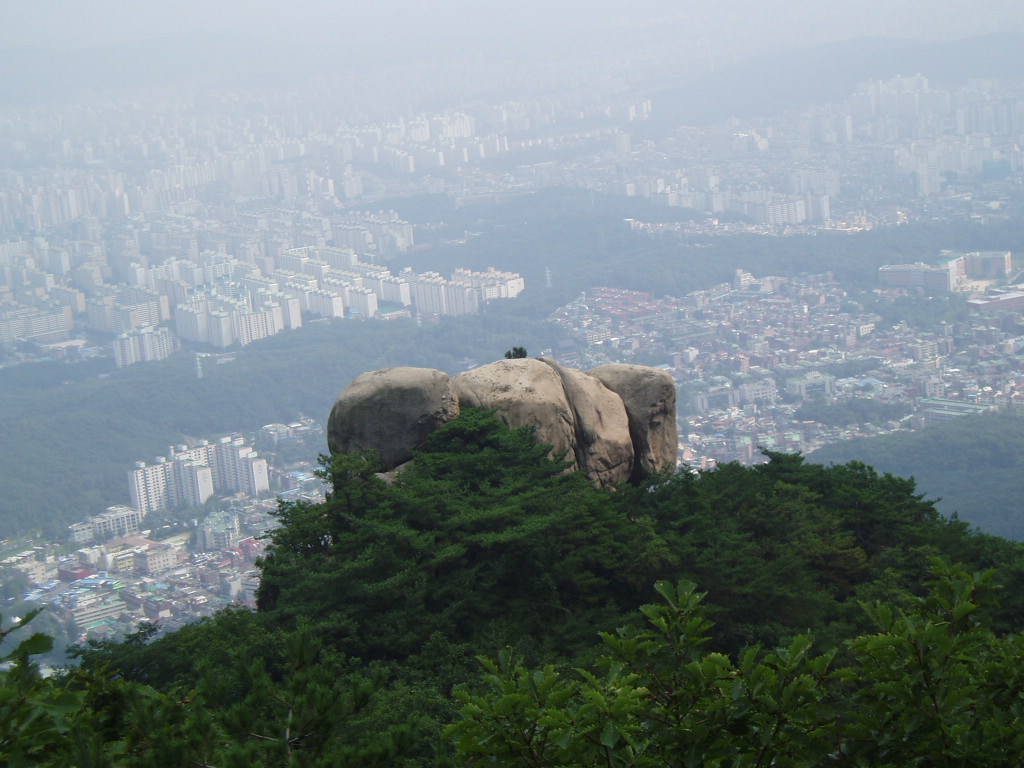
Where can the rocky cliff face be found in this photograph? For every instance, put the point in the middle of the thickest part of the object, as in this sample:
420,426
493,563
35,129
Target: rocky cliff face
616,423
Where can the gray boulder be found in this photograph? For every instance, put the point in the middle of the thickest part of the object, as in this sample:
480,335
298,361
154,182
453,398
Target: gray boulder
525,393
649,396
391,411
602,444
616,423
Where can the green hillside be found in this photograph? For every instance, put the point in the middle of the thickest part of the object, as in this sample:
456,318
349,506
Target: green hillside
971,466
452,618
100,426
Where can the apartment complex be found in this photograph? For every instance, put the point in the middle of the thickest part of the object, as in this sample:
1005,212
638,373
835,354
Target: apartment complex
320,276
223,321
952,272
143,345
118,520
187,477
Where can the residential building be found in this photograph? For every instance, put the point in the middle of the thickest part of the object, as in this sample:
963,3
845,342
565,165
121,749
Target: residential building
190,476
143,345
115,521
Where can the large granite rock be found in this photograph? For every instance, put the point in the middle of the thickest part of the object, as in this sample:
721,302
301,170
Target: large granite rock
391,411
603,446
616,423
649,396
525,393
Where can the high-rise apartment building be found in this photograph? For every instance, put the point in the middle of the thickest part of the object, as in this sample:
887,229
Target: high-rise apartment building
223,321
491,284
170,484
238,468
192,475
362,301
45,324
428,292
143,346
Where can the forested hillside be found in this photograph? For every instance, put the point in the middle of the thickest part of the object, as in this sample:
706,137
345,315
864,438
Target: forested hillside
972,466
99,427
374,604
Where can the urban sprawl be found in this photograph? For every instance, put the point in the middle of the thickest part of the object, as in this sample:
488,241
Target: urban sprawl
176,224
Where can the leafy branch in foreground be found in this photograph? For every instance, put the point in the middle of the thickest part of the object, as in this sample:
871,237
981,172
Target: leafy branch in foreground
934,686
940,687
34,713
654,699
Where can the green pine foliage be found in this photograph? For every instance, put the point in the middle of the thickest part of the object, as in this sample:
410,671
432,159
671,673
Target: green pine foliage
483,536
829,628
310,713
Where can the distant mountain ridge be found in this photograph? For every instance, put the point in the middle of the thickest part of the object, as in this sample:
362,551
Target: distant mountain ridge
767,84
755,86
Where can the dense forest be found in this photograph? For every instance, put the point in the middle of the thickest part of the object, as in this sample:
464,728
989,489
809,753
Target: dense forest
486,608
972,466
857,410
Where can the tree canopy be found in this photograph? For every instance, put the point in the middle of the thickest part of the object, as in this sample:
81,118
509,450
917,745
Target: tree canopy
808,615
931,685
482,536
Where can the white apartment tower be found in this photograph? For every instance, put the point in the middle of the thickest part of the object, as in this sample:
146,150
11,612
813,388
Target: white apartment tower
170,485
491,284
193,475
143,346
428,293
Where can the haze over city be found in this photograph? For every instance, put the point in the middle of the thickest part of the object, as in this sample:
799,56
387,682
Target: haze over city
214,216
64,24
383,33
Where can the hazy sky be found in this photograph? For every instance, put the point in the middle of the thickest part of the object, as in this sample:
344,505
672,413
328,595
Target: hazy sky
516,45
77,23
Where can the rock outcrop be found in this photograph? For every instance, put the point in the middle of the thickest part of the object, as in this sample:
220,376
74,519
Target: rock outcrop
391,411
524,393
603,448
649,395
616,423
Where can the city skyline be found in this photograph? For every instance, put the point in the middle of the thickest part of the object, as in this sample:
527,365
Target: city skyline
139,223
